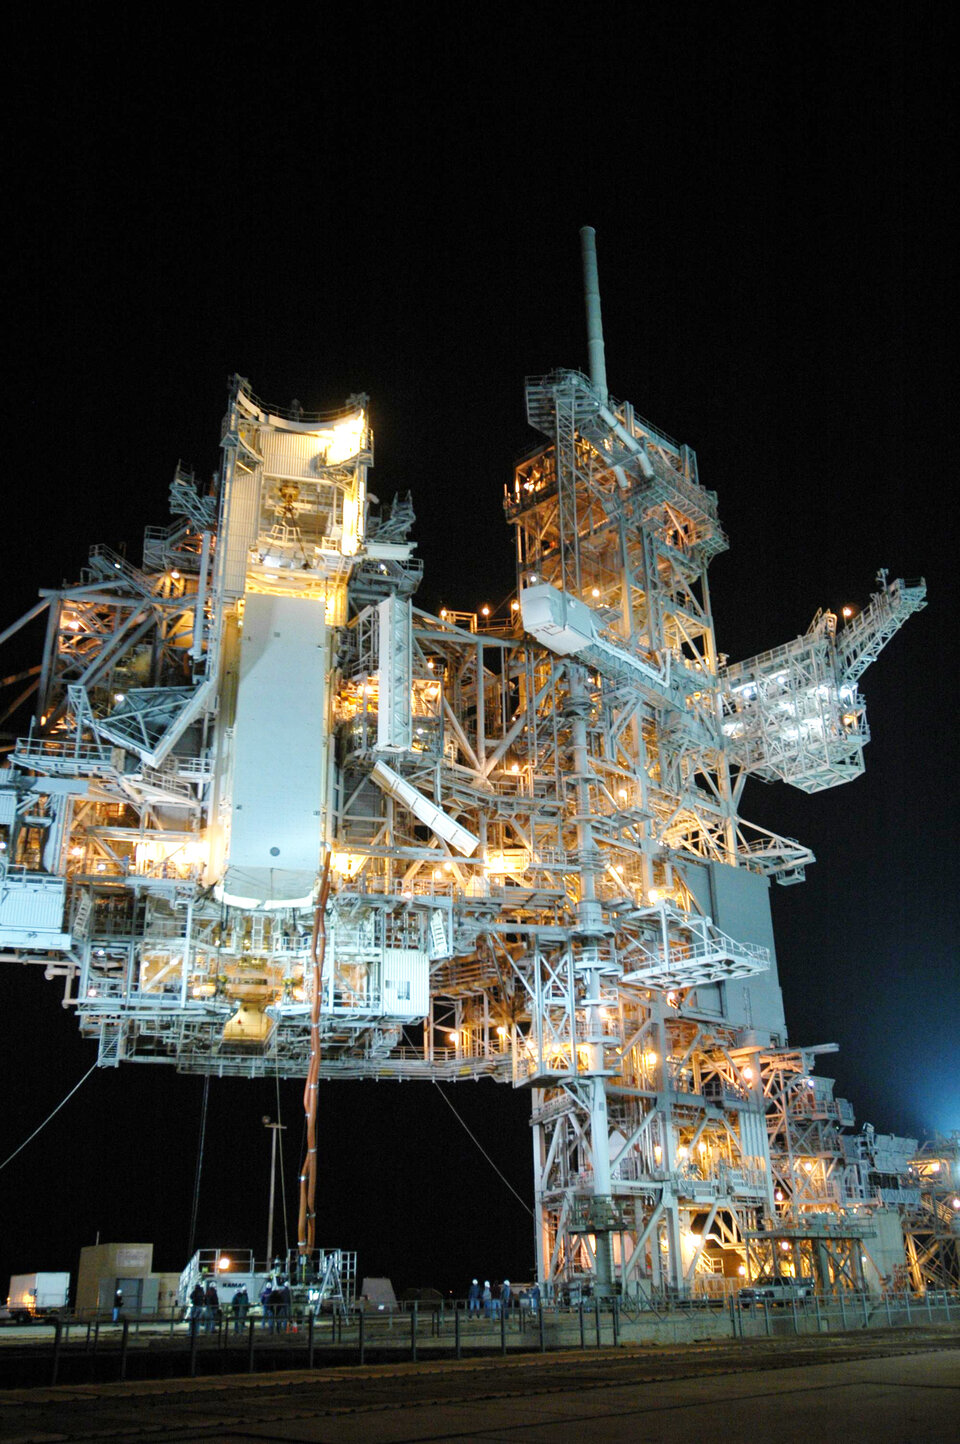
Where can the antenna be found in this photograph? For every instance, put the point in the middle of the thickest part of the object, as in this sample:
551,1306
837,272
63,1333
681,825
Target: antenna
591,296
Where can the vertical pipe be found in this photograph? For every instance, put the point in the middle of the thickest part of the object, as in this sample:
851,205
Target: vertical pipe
196,649
591,296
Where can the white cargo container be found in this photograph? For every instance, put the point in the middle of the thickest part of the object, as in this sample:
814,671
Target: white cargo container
39,1291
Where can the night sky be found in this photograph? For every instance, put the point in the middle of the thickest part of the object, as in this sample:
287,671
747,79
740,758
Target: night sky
393,207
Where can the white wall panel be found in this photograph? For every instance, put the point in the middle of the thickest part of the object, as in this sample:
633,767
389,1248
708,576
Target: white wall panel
279,769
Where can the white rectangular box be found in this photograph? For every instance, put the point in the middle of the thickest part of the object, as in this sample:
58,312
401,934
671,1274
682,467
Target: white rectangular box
279,766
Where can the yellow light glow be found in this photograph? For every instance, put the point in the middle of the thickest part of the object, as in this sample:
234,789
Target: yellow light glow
654,895
484,611
223,1262
178,853
848,611
650,1059
514,606
501,1031
347,864
657,1154
507,859
748,1074
595,592
701,1147
454,1038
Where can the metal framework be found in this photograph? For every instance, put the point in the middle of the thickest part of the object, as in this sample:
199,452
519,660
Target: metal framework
538,868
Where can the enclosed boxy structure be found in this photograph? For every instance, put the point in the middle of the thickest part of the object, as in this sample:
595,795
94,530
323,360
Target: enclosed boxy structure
39,1292
272,817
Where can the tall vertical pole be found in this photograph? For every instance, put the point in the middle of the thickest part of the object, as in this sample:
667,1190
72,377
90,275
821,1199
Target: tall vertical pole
591,296
275,1128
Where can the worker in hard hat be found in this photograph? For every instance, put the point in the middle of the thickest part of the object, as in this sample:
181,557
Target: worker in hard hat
473,1298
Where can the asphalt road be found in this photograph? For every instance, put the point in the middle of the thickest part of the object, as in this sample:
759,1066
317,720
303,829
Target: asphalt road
892,1388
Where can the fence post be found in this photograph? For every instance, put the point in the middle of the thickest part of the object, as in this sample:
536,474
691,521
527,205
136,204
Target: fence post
413,1332
56,1352
843,1311
96,1333
503,1327
767,1305
124,1341
616,1323
456,1332
816,1306
362,1337
251,1345
929,1307
796,1321
907,1298
866,1316
310,1340
543,1345
194,1338
583,1341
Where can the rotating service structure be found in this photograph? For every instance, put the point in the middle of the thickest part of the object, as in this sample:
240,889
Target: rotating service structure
535,866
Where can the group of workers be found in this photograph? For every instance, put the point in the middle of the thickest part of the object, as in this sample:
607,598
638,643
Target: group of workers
494,1299
275,1298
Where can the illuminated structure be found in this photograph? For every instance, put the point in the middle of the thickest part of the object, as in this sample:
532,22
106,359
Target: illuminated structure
528,826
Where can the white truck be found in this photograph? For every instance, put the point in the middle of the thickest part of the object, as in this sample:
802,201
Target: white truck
38,1294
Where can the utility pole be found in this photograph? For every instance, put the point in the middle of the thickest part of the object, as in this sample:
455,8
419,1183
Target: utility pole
275,1128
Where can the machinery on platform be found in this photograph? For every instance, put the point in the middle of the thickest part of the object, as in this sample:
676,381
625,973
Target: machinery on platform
270,816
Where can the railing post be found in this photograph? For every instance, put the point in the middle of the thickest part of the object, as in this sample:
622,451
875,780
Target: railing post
413,1332
907,1299
816,1306
796,1321
96,1333
310,1340
929,1306
362,1337
866,1316
456,1333
843,1311
124,1341
766,1316
251,1345
596,1319
194,1339
583,1341
616,1323
56,1352
503,1327
543,1343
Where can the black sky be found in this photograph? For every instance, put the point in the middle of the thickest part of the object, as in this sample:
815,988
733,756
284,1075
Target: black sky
393,206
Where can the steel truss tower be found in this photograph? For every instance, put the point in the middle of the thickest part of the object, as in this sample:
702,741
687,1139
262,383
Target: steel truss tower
540,873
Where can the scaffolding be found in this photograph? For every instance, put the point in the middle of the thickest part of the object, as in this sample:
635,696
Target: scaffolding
539,873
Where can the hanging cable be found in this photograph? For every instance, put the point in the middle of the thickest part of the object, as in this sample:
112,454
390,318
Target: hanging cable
49,1116
196,1181
486,1155
283,1179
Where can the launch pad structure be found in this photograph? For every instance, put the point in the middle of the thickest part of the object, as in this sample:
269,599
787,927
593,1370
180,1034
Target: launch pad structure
528,824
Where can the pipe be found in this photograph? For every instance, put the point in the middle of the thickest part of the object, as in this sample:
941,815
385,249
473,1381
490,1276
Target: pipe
306,1217
591,296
